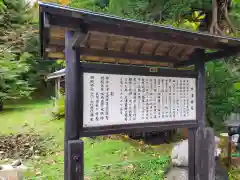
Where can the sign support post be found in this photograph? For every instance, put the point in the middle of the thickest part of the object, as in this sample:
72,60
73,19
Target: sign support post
73,147
204,137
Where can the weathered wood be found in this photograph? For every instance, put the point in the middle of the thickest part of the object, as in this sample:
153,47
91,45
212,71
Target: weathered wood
72,101
200,99
233,51
136,70
112,54
140,127
196,55
57,88
76,160
191,153
127,55
78,37
46,20
205,154
229,156
130,28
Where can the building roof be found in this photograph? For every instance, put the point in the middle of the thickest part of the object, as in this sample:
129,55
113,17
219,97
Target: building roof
111,39
233,120
56,74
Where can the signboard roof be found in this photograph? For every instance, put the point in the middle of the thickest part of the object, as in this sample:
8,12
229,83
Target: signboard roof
111,39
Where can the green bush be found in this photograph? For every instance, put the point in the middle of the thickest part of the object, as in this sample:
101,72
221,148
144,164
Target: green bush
59,108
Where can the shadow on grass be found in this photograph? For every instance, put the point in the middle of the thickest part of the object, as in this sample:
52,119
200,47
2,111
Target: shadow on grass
18,106
13,108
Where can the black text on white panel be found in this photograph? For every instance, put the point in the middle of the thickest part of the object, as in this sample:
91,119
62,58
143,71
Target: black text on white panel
111,99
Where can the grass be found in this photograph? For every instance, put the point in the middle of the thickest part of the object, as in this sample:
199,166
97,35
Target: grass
234,173
105,158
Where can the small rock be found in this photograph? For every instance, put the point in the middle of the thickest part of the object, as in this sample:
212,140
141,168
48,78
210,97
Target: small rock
16,163
177,173
6,160
180,153
38,173
36,157
31,148
130,166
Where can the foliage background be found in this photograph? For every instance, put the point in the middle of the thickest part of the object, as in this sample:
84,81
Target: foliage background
223,83
23,71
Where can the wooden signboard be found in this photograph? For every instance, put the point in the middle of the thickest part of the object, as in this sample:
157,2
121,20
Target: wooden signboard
111,99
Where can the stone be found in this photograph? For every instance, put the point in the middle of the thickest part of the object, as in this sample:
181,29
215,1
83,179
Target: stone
177,173
16,163
12,171
179,154
36,157
181,173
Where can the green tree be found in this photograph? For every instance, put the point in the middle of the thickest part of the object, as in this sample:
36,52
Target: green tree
222,93
19,37
12,85
12,61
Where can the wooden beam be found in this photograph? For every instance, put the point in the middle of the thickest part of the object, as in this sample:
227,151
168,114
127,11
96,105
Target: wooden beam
126,55
44,31
77,38
115,54
196,55
133,70
139,49
46,22
233,51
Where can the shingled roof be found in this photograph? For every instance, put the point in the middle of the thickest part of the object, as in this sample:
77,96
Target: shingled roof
106,38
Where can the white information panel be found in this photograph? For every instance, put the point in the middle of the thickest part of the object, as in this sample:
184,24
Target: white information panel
111,99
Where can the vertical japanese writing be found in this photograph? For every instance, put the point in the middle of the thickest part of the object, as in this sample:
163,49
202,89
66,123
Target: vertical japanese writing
134,98
155,99
97,107
107,98
159,99
121,96
102,98
91,98
126,100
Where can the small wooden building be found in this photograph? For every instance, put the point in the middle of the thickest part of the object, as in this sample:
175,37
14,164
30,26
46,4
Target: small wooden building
58,77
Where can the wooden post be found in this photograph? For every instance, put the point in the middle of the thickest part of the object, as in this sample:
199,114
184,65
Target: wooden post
76,159
58,88
200,113
229,156
72,102
200,99
205,154
204,137
191,153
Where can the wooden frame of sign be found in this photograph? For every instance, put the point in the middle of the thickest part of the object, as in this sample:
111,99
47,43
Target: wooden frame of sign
125,48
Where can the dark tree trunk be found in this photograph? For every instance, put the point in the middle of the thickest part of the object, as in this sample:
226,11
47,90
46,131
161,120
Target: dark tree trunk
1,104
